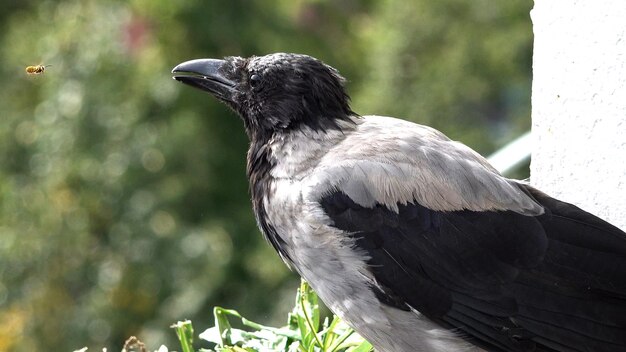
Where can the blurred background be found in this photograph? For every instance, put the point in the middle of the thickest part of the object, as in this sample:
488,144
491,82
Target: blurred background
123,198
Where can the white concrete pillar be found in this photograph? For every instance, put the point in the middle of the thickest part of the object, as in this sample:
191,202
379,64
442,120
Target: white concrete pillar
579,104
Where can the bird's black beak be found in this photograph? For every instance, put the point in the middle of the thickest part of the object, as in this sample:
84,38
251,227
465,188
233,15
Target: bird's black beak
208,75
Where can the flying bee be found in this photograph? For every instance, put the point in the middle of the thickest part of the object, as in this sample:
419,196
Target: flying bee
36,70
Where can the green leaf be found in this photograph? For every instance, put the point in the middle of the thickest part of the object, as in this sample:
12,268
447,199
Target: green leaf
184,331
363,347
340,340
284,331
307,315
302,332
212,335
223,325
329,332
309,304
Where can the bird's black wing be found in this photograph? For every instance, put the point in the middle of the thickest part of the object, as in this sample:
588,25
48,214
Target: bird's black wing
505,281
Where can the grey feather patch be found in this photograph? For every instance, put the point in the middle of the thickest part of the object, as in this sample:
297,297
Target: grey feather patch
410,163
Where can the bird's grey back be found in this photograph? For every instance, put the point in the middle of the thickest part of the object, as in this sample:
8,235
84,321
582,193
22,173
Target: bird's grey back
389,161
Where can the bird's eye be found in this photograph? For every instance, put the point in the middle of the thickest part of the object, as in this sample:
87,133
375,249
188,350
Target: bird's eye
255,80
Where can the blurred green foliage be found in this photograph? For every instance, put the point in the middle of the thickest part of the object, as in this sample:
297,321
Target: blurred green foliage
123,197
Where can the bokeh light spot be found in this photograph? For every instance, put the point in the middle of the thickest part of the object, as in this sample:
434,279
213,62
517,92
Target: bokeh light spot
153,160
162,223
70,98
115,165
26,132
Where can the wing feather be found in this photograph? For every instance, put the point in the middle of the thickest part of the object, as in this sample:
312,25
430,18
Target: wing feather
507,281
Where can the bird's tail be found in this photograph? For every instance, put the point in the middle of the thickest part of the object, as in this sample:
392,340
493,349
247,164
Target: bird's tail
576,299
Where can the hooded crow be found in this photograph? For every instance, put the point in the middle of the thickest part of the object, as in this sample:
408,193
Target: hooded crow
413,239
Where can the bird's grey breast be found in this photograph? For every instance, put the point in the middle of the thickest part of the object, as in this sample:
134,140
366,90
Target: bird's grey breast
287,204
320,253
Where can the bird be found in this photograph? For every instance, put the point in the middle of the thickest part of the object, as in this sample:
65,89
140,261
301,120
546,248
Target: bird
414,239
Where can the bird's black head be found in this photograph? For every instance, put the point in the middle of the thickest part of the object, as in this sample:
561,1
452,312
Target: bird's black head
273,92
